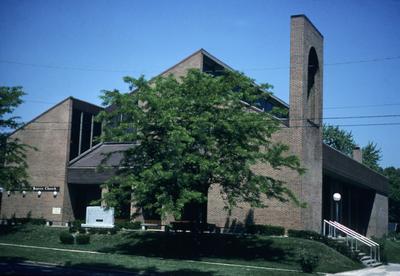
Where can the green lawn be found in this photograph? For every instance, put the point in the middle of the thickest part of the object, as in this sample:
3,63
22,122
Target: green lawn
163,252
392,249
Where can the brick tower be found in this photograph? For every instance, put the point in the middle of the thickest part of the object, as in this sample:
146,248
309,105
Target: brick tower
305,115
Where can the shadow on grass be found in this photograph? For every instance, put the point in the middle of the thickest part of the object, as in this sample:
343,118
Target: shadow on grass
151,270
9,229
9,259
188,246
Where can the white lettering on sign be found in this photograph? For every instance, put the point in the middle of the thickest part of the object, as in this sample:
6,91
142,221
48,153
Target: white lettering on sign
56,211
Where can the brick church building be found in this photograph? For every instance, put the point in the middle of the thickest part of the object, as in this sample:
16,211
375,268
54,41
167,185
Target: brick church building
64,179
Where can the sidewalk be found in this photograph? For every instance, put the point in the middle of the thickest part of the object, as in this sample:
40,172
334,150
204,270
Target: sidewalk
383,270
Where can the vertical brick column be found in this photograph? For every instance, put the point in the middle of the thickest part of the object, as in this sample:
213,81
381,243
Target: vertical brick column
306,114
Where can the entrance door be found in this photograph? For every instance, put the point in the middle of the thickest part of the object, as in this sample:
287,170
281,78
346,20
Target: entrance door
83,195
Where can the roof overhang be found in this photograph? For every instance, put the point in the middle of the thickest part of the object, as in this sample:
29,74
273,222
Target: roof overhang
341,166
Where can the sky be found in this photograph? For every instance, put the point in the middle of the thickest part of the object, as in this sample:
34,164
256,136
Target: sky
56,49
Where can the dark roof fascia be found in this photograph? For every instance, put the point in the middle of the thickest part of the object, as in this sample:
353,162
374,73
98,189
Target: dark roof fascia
89,176
365,167
341,166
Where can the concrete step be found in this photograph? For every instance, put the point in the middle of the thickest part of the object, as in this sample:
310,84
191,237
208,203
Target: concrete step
375,264
368,262
365,258
361,254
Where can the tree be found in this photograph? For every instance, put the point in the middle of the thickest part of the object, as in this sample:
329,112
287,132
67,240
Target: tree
371,155
189,134
339,139
13,166
394,193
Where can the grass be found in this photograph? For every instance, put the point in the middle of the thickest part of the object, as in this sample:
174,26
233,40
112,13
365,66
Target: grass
392,250
163,252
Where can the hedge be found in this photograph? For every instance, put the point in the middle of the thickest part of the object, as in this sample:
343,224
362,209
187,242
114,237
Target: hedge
267,230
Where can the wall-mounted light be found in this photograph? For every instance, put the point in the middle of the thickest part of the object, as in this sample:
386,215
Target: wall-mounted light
8,193
23,193
39,193
55,193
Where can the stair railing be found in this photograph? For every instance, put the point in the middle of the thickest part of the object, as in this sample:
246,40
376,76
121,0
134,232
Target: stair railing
334,226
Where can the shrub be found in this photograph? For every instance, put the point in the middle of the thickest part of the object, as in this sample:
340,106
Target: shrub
82,230
66,238
75,226
268,230
93,230
308,262
37,221
129,224
113,231
82,239
102,231
305,234
311,235
382,248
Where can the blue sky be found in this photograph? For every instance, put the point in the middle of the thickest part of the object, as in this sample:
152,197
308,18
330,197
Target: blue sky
111,39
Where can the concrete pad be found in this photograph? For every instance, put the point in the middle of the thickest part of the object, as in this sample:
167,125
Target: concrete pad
383,270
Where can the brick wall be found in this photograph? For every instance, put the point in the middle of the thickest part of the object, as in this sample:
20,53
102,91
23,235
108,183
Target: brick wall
49,134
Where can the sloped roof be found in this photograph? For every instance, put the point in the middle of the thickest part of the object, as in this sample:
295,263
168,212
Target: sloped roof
93,157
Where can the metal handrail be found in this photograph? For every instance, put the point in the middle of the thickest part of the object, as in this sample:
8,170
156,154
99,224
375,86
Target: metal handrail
355,233
374,247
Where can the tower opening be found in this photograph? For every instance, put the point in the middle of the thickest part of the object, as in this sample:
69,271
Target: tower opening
313,68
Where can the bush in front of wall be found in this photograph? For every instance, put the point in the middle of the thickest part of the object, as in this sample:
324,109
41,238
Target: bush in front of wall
82,239
267,230
308,261
66,238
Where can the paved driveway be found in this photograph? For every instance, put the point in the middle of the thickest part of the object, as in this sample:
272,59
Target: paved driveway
390,270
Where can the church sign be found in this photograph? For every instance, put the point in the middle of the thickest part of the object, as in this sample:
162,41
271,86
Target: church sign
46,188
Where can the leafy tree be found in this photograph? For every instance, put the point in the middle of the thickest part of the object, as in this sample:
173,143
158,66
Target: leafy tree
13,166
339,139
371,155
394,193
189,134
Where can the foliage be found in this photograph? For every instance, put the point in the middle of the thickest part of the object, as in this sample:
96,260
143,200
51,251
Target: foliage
339,139
394,193
13,166
114,230
37,221
128,224
190,134
76,226
392,250
305,234
267,230
82,239
382,248
102,231
371,155
66,237
308,261
311,235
